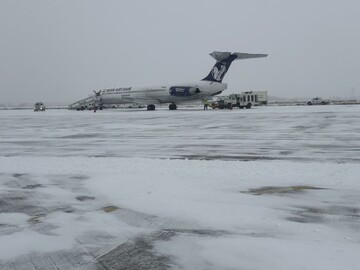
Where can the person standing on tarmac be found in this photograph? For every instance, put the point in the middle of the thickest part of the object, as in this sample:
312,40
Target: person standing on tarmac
205,104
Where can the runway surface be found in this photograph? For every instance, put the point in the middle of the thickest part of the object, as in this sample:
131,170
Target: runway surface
303,133
266,188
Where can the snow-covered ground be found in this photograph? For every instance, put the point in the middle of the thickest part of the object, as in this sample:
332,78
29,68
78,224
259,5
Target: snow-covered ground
266,188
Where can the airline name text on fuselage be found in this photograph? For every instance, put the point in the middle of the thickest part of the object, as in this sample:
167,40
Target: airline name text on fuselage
112,90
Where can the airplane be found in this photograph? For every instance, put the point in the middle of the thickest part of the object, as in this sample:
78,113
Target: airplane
176,93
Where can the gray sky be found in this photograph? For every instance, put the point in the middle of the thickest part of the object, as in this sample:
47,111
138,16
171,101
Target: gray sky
60,50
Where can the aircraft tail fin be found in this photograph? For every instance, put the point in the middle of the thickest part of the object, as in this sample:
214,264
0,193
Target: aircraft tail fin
223,62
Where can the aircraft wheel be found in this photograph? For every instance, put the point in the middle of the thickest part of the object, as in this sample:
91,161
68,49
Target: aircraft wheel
248,106
150,107
172,106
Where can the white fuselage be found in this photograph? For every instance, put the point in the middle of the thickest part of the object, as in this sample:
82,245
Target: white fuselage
174,93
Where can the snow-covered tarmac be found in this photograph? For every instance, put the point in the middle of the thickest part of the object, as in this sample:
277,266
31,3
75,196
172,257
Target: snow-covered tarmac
266,188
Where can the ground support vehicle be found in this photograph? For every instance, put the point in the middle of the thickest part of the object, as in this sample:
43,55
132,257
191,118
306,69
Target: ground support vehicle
39,106
243,100
318,101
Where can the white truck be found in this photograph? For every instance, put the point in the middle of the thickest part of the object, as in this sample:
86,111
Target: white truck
239,100
318,101
245,99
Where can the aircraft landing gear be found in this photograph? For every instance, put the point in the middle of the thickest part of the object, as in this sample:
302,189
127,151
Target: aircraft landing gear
150,107
172,106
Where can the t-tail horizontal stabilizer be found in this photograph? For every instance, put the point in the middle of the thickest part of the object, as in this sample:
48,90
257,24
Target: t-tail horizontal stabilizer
223,62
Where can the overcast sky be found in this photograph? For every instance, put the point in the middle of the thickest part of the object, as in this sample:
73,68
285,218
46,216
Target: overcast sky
60,50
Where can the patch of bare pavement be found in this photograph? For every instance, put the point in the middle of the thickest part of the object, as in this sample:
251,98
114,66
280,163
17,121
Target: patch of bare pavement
140,252
336,214
280,189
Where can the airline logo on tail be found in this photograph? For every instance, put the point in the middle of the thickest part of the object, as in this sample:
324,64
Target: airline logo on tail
218,71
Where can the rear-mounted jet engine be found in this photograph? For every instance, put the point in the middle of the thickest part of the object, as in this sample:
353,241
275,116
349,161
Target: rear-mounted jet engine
183,91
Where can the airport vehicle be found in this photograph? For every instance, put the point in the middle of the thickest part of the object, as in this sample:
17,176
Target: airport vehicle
240,100
39,106
231,101
318,101
261,97
176,93
243,100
